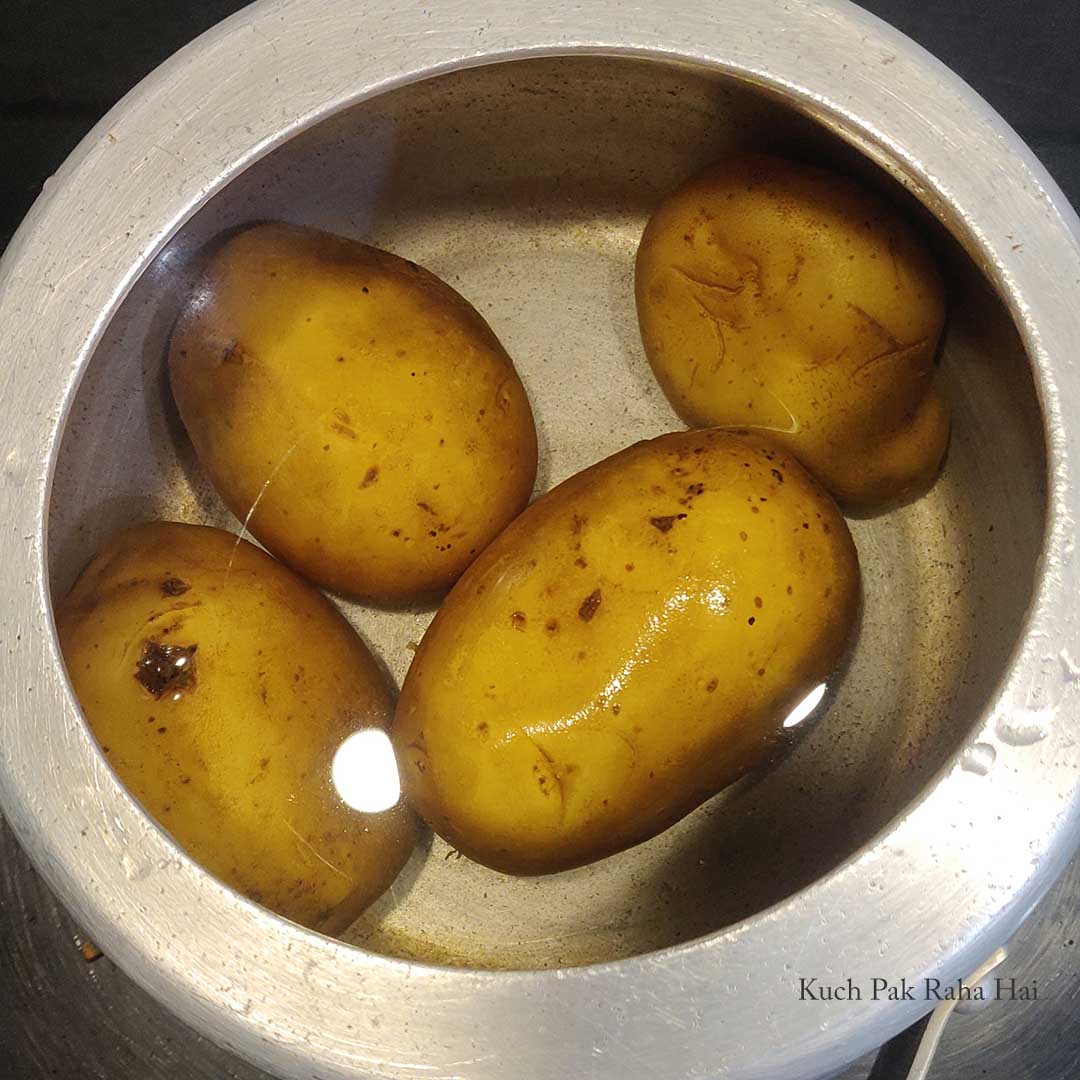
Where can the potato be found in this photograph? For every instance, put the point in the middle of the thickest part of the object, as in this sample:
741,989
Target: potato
352,410
781,297
221,687
627,647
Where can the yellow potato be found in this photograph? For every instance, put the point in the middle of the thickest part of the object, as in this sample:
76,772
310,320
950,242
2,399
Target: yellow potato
352,410
781,297
627,647
220,687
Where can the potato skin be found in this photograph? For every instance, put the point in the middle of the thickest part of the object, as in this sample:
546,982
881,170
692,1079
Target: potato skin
353,410
231,752
627,647
782,297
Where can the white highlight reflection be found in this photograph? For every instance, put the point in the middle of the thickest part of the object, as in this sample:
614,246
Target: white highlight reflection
806,706
365,772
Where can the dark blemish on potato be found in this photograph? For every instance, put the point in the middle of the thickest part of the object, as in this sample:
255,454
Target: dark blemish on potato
806,524
364,289
185,779
579,561
370,476
262,693
758,602
589,606
789,590
174,587
551,626
743,536
827,527
751,621
343,430
577,524
395,532
341,359
754,510
518,620
761,671
665,523
425,507
232,354
828,590
163,668
326,446
581,654
263,763
711,685
616,708
161,730
432,532
105,749
629,567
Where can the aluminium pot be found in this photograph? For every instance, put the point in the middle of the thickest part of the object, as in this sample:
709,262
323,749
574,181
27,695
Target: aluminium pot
516,149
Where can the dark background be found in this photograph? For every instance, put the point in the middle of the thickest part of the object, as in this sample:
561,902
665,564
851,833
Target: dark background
63,63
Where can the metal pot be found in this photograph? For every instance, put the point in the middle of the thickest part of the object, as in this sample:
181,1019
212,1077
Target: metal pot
517,153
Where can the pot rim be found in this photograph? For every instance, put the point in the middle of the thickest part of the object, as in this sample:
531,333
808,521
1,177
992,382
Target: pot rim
945,884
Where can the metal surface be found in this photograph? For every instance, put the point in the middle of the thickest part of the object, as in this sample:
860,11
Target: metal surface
934,893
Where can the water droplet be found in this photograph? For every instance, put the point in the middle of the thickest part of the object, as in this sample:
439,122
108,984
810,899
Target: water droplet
1022,727
1072,669
978,758
14,470
133,871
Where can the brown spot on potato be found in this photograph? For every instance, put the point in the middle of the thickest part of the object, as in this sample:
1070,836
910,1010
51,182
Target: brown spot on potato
577,524
758,602
551,626
174,587
425,507
665,523
778,474
370,476
751,621
629,567
616,708
579,561
743,536
518,620
164,668
589,606
712,684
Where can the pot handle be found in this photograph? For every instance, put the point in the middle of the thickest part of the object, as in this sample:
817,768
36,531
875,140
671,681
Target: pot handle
908,1056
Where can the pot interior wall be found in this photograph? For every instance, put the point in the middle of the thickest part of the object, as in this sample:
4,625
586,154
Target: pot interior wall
527,186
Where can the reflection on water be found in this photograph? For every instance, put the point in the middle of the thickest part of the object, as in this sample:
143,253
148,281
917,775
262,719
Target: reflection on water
806,706
365,773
